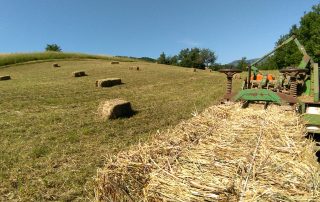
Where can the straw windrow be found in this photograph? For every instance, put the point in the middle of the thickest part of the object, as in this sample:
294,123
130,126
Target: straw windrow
225,153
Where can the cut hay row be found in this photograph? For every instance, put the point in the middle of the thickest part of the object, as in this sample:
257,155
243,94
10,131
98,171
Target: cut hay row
226,153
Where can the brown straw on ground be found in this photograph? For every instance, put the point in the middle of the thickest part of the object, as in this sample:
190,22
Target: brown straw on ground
226,153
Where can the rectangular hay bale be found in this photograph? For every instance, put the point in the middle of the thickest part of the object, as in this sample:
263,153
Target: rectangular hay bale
79,74
6,77
114,62
115,108
55,65
134,68
109,82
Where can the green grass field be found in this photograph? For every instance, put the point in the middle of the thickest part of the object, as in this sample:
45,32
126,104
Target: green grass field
36,57
52,141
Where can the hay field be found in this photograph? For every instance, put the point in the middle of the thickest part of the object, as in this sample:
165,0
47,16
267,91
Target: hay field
51,141
37,57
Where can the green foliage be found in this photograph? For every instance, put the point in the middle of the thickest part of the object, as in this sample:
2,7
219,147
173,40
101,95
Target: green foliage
194,57
268,64
242,64
162,58
172,60
208,56
308,33
53,47
147,59
217,66
187,57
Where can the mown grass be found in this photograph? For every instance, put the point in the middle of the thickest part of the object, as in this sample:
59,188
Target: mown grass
18,58
51,140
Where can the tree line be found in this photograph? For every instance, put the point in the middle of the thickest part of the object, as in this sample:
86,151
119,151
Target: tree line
193,57
307,32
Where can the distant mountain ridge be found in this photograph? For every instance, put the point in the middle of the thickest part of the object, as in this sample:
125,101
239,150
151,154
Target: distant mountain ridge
236,62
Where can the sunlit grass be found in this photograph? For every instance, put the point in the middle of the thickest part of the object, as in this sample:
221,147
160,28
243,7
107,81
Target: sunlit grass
51,140
18,58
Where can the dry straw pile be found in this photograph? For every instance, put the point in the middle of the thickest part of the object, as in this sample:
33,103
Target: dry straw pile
224,154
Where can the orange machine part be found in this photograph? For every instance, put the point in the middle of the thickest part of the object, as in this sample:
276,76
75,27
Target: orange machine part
270,77
259,77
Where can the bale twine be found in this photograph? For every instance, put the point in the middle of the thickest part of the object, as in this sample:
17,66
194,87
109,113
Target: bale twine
112,109
115,62
79,74
226,154
6,77
109,82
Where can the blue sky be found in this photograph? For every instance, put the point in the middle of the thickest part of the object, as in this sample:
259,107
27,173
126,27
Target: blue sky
231,28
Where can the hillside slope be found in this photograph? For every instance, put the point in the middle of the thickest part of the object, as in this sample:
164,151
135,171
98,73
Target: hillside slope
36,57
51,140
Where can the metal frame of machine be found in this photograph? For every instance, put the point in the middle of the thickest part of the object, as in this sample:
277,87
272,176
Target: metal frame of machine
294,87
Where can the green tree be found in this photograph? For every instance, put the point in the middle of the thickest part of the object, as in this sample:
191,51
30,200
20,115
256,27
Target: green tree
243,64
184,57
268,64
308,33
162,58
174,60
53,47
208,56
196,58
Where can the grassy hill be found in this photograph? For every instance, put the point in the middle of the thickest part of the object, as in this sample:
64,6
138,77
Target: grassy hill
51,139
36,57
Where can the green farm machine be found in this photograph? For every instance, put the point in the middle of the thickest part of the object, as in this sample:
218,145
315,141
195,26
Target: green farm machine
296,86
